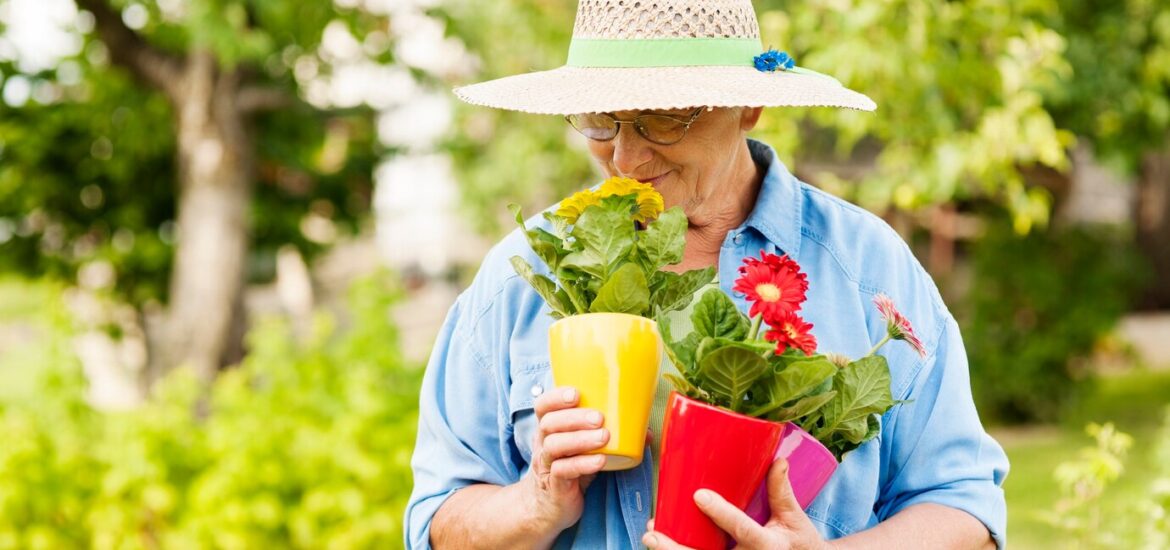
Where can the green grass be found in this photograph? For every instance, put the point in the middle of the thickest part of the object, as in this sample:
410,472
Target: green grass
31,316
1135,402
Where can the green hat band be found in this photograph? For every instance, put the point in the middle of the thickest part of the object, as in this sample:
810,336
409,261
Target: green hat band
663,52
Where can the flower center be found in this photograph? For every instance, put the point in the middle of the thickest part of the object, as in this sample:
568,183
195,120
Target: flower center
768,292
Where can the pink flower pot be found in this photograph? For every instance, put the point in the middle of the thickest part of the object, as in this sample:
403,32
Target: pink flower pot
810,465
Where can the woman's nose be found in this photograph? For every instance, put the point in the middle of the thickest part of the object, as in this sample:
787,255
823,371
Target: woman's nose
630,150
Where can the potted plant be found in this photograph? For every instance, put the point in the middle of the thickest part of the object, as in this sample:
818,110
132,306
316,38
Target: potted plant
605,254
747,383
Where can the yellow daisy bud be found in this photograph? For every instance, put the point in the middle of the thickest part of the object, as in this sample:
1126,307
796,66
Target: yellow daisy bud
571,208
650,203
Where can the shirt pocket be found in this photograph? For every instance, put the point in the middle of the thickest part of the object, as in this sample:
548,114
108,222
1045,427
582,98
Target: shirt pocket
529,381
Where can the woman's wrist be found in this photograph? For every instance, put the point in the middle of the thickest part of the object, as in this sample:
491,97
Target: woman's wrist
544,521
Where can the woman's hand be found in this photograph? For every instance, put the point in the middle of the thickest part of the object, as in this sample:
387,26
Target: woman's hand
789,527
560,470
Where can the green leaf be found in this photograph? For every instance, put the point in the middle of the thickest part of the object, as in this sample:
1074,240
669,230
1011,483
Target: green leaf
729,372
801,409
687,351
677,291
800,376
549,247
543,285
663,241
559,225
625,292
863,389
669,345
716,316
605,238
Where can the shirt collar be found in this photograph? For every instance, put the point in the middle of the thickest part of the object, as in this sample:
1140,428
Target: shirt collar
778,209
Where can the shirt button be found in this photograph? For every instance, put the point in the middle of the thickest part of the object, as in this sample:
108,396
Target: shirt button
537,389
738,239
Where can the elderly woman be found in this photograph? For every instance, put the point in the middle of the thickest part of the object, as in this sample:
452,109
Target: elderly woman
666,91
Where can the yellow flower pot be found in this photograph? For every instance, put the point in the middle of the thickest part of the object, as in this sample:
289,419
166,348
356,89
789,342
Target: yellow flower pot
612,359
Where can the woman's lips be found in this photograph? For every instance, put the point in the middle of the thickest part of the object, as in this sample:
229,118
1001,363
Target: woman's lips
656,179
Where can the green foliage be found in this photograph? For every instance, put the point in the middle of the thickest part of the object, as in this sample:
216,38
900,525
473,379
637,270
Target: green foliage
1082,515
504,156
1038,304
1118,95
604,263
90,176
305,445
960,89
1154,510
724,363
1083,481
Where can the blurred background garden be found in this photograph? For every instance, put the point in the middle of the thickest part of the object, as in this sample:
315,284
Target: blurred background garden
230,229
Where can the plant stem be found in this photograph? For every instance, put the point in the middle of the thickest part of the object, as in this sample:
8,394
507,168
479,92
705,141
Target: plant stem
879,345
756,321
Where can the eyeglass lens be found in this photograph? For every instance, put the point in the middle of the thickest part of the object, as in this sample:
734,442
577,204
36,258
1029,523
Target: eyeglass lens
660,129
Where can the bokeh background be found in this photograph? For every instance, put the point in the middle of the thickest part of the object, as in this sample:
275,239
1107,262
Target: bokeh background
229,231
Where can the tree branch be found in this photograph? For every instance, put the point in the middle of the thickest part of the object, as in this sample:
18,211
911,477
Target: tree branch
130,50
254,99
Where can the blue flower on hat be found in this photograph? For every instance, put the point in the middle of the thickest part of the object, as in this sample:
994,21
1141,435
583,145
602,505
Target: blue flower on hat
772,60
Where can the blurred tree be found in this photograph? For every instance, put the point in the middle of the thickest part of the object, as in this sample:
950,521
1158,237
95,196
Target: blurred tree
507,156
959,88
1119,99
208,149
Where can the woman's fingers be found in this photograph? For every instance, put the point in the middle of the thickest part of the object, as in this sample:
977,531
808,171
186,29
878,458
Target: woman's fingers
568,420
559,398
746,532
579,466
657,541
561,445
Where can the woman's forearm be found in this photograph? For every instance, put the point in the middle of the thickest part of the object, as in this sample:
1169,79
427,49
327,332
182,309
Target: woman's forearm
491,516
926,526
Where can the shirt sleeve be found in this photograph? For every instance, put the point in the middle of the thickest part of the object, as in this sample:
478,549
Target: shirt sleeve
940,452
460,430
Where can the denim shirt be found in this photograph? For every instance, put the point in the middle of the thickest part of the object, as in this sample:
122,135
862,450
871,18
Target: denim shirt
490,361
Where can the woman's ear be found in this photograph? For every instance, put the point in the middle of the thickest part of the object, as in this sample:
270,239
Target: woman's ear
749,117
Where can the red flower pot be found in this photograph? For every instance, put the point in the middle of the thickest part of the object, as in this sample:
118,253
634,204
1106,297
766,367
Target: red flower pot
706,447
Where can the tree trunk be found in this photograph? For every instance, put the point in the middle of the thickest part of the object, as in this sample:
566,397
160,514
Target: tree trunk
215,161
1152,218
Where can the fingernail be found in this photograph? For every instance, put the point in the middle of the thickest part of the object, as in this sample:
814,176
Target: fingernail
594,418
569,395
650,540
601,435
703,496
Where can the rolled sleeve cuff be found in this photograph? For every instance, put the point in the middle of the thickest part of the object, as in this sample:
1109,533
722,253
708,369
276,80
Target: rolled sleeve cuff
419,516
981,498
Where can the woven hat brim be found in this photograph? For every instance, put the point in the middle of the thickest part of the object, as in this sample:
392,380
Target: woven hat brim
569,90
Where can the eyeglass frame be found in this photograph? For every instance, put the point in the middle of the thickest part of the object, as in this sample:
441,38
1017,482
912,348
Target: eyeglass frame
641,130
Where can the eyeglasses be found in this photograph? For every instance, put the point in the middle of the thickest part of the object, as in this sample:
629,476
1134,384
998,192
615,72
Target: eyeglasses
660,129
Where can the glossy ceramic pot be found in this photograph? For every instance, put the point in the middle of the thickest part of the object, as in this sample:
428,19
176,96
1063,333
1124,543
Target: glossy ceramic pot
810,465
704,446
612,359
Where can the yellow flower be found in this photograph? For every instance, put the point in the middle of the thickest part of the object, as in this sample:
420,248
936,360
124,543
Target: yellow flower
650,203
572,207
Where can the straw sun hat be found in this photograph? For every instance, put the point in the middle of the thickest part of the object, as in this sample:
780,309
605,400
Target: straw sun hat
629,55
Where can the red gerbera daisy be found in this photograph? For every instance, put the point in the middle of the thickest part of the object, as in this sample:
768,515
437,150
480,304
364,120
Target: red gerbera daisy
774,285
791,331
897,325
